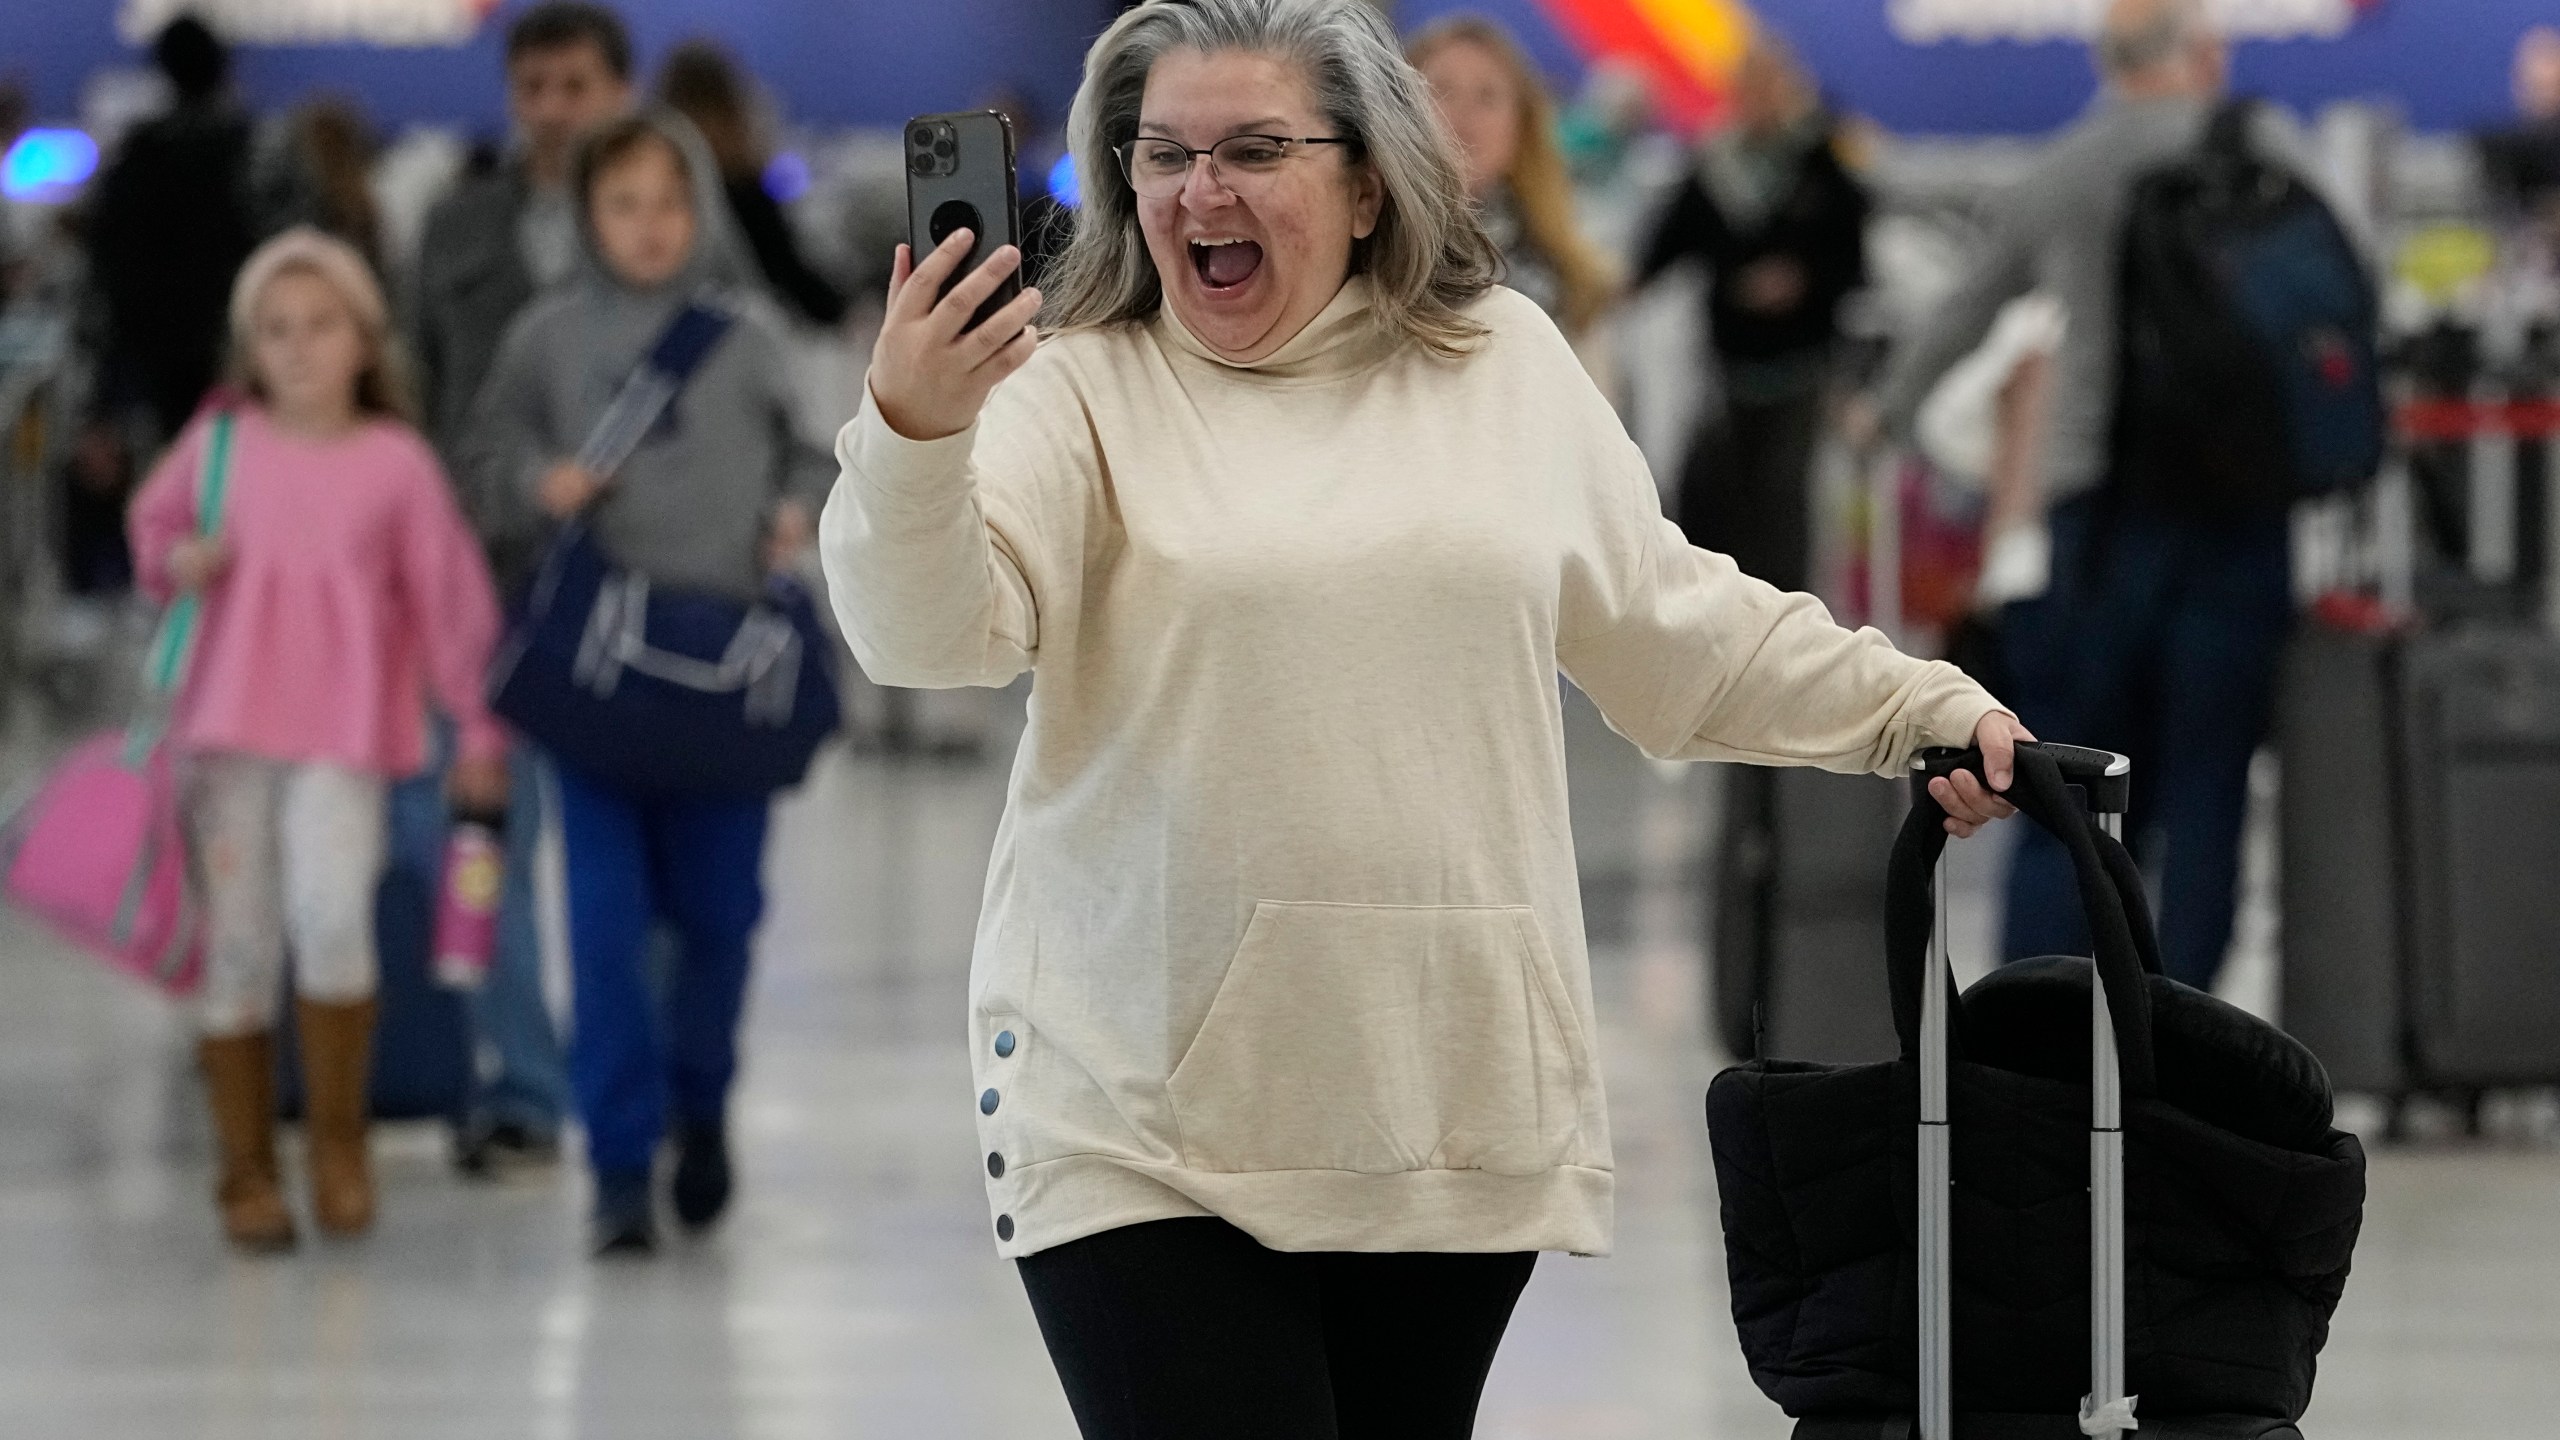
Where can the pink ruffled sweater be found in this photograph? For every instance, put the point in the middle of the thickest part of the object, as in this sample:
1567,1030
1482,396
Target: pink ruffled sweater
356,593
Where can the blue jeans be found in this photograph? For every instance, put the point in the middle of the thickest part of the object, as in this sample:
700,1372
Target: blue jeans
697,864
523,1078
2158,639
517,1070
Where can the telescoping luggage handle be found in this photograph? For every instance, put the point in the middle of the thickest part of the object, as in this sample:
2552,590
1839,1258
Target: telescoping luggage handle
2104,781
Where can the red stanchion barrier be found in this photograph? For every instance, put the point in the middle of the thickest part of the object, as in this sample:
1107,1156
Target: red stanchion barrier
2442,420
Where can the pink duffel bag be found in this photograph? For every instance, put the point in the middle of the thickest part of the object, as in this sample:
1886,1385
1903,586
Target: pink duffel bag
97,857
98,854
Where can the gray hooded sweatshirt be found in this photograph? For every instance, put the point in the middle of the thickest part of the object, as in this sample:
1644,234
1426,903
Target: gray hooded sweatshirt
690,507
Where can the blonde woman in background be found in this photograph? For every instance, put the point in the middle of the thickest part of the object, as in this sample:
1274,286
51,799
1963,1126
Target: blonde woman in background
1504,122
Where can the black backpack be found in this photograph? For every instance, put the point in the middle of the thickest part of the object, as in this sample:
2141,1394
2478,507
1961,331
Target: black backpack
2248,373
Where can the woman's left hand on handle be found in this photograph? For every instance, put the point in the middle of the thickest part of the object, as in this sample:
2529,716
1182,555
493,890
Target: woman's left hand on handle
1969,804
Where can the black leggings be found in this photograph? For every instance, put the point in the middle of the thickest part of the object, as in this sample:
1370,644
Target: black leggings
1187,1329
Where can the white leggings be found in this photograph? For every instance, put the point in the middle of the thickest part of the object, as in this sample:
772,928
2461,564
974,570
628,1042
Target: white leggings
284,856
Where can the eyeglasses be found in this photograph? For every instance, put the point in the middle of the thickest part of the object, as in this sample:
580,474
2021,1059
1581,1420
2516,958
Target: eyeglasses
1244,164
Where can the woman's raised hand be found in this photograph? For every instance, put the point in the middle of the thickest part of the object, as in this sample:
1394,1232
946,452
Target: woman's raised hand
929,376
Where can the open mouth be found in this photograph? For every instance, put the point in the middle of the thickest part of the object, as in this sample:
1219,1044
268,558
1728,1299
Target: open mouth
1223,265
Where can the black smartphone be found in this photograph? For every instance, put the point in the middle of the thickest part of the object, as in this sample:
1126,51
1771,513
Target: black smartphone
960,177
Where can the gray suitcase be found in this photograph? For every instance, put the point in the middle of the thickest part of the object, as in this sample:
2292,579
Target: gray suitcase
2480,771
2421,940
1797,909
2339,883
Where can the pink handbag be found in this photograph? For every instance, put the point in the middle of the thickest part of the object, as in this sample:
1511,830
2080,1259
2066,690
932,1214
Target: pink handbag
98,854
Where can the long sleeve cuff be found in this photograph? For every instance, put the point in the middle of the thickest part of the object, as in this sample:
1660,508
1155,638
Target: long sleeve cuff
1950,717
906,473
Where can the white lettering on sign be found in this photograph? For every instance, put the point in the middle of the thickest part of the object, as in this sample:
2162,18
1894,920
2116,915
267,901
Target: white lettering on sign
313,22
1927,22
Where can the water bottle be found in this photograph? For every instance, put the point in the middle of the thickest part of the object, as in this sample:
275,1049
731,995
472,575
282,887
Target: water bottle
467,911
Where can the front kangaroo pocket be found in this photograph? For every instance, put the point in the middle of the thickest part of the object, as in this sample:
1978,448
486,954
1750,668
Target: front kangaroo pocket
1380,1039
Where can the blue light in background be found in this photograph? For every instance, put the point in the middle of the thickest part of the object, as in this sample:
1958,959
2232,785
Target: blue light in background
1062,182
787,178
47,165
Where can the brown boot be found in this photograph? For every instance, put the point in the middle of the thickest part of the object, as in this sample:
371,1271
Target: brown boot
240,1082
337,1060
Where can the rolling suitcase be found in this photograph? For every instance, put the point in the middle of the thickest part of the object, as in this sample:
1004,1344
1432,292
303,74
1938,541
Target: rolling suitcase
2421,953
422,1035
2480,773
1795,908
2080,1188
2339,887
1796,913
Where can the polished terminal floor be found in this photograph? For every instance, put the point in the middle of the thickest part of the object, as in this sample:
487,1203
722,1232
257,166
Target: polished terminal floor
856,1293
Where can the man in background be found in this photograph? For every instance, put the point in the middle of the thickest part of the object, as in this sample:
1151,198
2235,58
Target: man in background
2523,161
2156,636
167,230
507,230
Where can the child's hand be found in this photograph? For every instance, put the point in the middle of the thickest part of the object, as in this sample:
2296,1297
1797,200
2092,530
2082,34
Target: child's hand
790,534
568,488
477,785
196,564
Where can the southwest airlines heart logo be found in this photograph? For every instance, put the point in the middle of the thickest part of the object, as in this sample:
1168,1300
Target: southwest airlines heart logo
1687,48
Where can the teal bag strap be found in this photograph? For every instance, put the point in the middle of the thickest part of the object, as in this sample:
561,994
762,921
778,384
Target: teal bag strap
174,646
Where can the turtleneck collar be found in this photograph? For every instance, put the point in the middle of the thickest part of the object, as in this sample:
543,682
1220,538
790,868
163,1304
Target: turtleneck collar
1343,338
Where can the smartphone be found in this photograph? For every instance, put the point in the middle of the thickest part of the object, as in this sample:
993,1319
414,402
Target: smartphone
960,176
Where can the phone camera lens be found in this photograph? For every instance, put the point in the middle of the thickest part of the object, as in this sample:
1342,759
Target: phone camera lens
932,150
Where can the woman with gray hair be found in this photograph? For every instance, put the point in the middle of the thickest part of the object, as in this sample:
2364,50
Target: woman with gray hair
1281,1015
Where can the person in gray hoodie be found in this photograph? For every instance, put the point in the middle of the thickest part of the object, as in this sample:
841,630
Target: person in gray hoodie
719,493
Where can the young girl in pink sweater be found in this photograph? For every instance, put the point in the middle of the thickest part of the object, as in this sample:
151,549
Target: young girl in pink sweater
344,594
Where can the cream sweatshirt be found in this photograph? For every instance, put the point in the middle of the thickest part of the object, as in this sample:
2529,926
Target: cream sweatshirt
1282,923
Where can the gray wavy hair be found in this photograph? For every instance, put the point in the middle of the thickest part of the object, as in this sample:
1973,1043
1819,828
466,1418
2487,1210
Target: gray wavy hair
1428,256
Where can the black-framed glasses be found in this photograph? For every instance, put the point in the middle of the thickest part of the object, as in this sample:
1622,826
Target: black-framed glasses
1157,167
